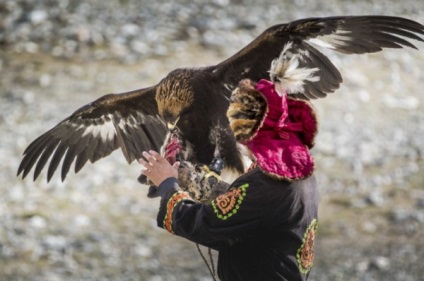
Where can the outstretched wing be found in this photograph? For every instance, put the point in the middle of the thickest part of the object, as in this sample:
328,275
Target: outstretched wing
357,34
128,121
348,35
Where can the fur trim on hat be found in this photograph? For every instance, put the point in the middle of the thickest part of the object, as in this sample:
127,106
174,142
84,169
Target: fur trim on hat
247,110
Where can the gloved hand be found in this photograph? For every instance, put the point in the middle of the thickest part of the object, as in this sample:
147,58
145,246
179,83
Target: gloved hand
202,183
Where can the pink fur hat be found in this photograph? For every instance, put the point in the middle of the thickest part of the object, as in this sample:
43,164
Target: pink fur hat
278,130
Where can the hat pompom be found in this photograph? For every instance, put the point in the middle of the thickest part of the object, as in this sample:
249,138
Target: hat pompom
247,110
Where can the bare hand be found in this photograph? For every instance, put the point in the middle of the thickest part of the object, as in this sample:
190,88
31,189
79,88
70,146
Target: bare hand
157,168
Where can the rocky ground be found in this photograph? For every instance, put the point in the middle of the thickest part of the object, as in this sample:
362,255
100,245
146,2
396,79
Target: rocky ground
58,55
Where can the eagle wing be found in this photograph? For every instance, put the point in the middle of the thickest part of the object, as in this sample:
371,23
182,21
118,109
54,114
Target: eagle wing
128,121
348,35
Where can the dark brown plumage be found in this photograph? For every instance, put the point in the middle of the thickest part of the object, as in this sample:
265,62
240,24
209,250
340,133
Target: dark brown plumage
195,100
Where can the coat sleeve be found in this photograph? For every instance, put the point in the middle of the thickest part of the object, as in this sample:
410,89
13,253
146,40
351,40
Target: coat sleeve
221,223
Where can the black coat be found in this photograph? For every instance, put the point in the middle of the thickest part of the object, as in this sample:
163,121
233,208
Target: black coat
263,228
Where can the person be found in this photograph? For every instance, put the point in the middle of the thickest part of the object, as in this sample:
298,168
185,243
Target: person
264,226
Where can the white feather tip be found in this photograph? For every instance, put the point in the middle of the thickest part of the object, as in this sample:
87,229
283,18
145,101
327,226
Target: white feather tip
287,72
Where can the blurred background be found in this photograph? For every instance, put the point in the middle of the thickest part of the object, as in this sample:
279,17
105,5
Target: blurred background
57,55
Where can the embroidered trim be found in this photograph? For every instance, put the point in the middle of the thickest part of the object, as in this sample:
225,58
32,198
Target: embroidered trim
170,206
252,166
305,254
226,205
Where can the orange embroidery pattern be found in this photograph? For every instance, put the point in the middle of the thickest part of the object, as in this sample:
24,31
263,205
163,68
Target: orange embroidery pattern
252,166
227,204
170,206
305,254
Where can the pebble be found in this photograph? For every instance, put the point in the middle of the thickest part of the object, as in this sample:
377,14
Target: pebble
400,215
38,222
420,203
55,242
375,198
380,263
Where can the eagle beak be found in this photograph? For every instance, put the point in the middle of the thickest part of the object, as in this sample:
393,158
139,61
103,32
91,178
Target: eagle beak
171,126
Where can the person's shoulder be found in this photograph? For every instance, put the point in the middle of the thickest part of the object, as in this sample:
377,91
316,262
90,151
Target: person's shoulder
257,175
306,182
260,181
262,184
254,175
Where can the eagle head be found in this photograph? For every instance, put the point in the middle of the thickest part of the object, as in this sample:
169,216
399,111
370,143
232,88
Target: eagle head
174,96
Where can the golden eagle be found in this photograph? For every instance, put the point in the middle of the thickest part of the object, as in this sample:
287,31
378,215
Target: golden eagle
194,101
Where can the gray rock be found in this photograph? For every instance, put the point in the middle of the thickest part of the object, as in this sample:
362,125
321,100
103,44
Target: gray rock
375,198
380,263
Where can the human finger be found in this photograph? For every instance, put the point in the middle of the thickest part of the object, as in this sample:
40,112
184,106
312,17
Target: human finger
176,165
156,155
144,163
149,157
146,172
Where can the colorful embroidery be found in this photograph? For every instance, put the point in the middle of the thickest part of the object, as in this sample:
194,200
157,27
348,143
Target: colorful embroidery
172,202
305,254
227,204
252,166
